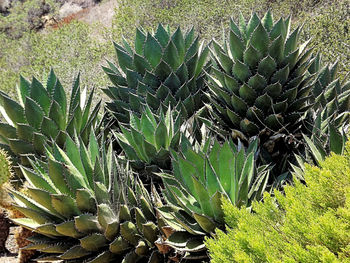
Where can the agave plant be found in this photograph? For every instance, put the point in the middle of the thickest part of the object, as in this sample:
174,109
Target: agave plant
148,140
202,179
164,69
260,85
328,85
43,115
327,122
85,208
328,134
332,100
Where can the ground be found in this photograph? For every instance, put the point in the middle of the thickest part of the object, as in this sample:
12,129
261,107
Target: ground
12,247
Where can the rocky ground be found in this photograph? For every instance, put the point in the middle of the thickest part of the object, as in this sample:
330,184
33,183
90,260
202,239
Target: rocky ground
89,12
12,247
43,15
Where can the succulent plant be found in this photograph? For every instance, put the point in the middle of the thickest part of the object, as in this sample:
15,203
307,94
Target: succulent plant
84,208
164,69
327,122
327,85
260,85
332,100
43,115
202,179
147,140
260,81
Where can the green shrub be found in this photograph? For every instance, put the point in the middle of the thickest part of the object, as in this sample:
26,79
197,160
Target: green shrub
207,16
68,49
307,224
25,16
329,30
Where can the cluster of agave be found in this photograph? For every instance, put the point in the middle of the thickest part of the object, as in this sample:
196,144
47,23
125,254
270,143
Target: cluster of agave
327,122
260,101
43,115
332,103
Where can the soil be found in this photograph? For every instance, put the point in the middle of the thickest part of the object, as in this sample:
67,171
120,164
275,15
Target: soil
102,14
12,247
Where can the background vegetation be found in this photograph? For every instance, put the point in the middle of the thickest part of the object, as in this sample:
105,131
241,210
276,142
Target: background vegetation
76,46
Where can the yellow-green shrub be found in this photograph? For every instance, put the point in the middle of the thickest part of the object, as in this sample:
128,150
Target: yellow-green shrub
25,16
308,224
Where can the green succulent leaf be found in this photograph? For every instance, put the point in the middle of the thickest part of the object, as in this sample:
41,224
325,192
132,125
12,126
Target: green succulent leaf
260,39
236,46
152,50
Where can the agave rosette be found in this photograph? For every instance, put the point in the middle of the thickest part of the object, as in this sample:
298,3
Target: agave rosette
259,83
202,178
43,114
82,207
146,141
327,123
163,69
332,98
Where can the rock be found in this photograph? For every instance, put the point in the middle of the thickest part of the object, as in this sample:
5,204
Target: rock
85,3
4,6
35,15
102,13
68,9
